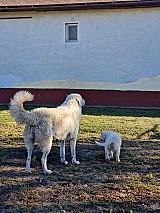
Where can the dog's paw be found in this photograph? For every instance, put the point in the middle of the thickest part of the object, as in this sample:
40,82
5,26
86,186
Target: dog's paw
28,171
64,161
76,162
48,172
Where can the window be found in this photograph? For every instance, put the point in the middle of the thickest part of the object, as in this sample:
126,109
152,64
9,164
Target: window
71,32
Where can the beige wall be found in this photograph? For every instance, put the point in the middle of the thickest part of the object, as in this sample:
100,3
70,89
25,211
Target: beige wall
116,46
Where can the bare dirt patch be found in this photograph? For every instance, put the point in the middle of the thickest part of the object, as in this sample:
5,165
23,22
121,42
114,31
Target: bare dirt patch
93,186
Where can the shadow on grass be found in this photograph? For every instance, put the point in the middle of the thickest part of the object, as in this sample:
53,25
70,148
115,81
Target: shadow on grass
92,186
152,133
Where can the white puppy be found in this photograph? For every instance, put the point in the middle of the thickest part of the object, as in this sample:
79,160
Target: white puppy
111,141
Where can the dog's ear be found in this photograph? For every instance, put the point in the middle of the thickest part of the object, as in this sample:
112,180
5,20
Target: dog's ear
80,101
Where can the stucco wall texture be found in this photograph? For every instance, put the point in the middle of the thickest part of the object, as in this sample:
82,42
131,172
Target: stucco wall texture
116,46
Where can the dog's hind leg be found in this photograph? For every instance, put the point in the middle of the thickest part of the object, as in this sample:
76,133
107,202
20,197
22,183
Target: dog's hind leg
29,143
29,147
44,162
111,154
107,157
117,155
46,151
62,152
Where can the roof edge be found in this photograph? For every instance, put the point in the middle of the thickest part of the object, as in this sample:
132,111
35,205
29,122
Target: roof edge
83,6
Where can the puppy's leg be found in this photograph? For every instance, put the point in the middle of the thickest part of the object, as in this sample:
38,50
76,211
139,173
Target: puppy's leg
117,155
111,154
62,152
107,158
46,151
29,146
73,151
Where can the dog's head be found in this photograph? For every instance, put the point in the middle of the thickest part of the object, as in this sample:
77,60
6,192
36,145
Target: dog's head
103,136
75,97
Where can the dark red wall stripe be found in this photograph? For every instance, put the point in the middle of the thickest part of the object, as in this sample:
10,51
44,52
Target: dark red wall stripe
92,97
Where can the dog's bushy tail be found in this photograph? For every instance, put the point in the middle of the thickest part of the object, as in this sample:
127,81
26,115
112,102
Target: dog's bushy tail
17,110
100,144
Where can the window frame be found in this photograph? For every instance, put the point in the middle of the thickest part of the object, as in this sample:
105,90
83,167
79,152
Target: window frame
67,37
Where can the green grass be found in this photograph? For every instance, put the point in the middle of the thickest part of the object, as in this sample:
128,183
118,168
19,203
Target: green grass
128,127
129,123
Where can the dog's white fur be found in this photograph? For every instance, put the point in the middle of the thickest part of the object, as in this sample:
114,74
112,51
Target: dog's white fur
42,124
111,141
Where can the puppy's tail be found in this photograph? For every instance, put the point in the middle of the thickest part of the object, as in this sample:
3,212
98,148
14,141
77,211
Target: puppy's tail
100,144
17,110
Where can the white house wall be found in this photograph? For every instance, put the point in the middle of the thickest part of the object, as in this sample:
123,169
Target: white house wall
115,46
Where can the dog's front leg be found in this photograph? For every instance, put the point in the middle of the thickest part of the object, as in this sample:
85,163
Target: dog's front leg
73,151
62,152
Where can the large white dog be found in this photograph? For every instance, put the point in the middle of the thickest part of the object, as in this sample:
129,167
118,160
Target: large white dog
111,142
42,124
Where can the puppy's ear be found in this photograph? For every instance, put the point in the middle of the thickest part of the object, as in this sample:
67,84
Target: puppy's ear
105,137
